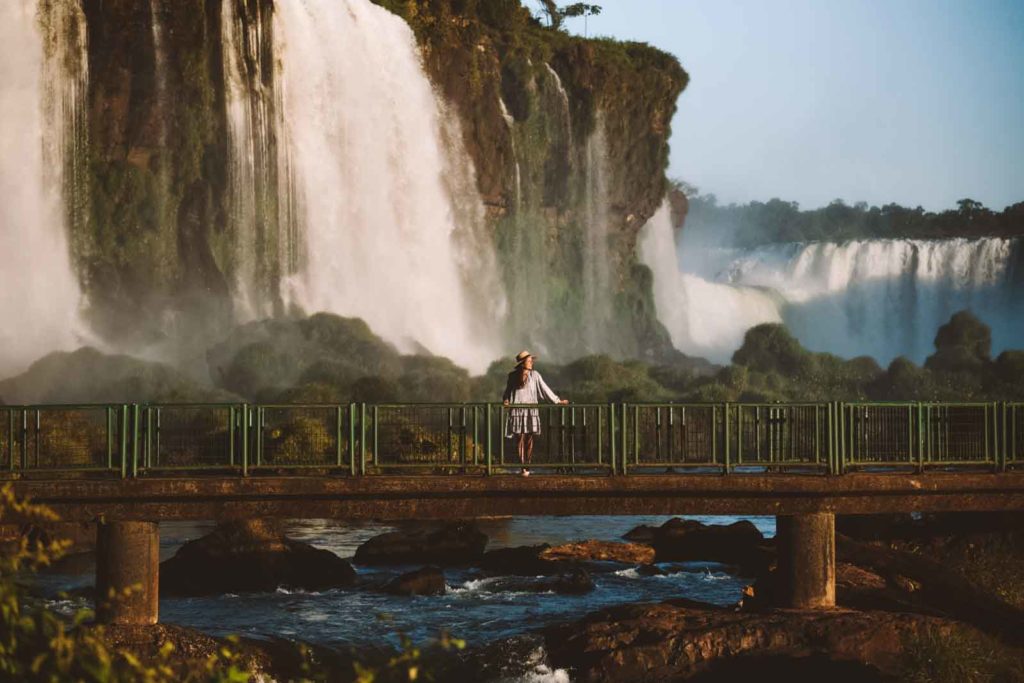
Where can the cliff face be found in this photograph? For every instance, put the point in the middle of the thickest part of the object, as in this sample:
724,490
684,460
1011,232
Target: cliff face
570,141
156,165
568,137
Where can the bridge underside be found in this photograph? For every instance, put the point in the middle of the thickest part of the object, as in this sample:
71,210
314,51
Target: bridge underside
459,496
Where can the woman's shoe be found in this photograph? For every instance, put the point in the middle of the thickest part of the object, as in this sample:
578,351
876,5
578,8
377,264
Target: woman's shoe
526,472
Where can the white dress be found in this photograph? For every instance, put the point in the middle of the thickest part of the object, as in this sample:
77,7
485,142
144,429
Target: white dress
525,420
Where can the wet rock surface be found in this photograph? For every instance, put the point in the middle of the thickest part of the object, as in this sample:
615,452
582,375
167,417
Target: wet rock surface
679,639
451,544
424,581
523,560
251,556
739,544
601,551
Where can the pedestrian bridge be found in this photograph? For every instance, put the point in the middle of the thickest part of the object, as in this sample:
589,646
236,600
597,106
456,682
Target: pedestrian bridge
129,466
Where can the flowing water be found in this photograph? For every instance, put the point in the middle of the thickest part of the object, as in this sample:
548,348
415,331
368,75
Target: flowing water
477,608
362,129
882,298
42,92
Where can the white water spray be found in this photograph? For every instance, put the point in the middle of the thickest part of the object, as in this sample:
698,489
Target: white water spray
363,131
596,254
42,93
703,318
883,298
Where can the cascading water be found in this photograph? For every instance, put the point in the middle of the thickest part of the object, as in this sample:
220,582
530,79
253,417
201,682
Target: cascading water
43,70
703,318
262,230
882,298
596,257
362,129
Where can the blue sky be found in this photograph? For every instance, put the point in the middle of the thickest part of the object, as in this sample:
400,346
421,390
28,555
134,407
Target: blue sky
907,101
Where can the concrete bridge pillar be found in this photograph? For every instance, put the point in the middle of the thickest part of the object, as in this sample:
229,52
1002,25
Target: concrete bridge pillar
127,572
807,560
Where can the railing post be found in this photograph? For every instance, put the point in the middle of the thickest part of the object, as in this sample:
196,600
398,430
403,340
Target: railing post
339,450
124,441
489,449
728,435
611,439
362,439
135,440
352,439
1004,450
232,426
245,439
110,439
624,430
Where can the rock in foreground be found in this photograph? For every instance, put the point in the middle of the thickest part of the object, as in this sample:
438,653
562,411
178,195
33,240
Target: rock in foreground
249,557
425,581
679,540
601,551
675,640
451,544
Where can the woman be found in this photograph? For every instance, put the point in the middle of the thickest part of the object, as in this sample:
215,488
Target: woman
525,385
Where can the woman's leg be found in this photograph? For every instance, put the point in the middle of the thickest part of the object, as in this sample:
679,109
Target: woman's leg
520,446
529,448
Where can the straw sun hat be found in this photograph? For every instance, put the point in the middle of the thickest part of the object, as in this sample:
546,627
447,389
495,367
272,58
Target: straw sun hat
522,356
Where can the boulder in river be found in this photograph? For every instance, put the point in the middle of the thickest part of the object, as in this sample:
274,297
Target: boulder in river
450,544
251,556
425,581
678,639
524,560
679,540
601,551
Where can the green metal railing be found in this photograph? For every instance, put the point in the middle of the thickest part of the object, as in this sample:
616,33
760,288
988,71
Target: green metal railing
357,439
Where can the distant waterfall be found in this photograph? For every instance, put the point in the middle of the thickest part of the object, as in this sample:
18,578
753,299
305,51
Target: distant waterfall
383,237
43,69
882,298
703,317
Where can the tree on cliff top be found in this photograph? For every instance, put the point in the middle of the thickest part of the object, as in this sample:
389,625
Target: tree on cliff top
556,14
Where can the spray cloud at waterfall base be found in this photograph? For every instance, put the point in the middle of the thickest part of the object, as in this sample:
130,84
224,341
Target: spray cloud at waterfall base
881,298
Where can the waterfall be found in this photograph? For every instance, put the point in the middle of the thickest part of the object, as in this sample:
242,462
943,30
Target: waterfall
43,69
703,317
362,127
882,298
262,229
596,256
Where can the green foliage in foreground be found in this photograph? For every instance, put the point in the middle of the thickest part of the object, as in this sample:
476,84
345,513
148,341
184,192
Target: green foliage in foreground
39,646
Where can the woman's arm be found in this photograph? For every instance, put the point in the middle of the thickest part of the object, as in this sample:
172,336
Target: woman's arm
545,390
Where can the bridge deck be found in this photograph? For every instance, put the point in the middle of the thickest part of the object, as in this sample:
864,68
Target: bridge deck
463,496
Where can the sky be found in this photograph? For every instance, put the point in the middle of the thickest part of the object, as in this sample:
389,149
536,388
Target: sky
918,102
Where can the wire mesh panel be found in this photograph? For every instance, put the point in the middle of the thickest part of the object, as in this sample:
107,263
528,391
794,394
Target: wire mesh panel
190,436
66,438
7,435
773,435
1013,431
880,435
959,434
564,437
422,436
301,436
675,435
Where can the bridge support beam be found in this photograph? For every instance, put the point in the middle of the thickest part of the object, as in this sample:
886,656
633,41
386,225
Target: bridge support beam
127,572
807,560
